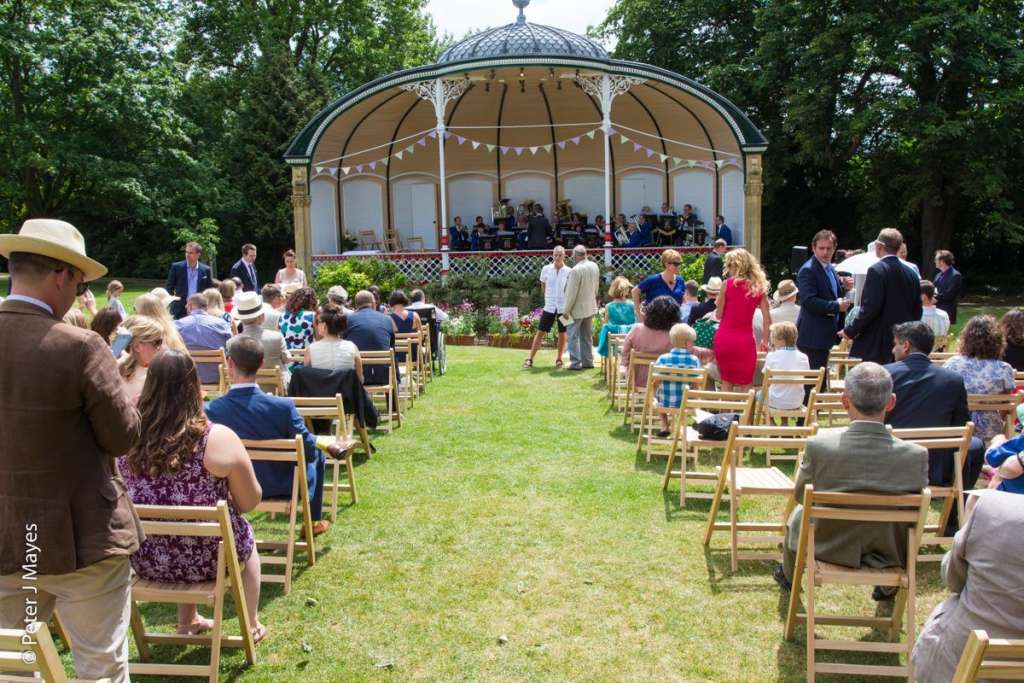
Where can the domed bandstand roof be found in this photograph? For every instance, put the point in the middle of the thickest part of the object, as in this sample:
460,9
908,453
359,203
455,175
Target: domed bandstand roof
524,117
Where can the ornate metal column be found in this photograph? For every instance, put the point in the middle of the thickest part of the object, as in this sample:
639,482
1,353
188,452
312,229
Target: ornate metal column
300,217
605,88
440,92
753,188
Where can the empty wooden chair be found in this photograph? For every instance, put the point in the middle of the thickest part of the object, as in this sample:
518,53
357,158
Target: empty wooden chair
1018,379
384,396
333,408
806,380
199,522
827,408
281,553
839,363
615,374
414,360
687,442
634,394
738,481
34,639
368,240
957,439
1004,404
214,357
857,508
414,244
269,380
650,417
990,659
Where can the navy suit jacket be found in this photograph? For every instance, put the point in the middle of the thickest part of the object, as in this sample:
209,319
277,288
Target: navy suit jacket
928,396
713,265
892,294
177,284
240,271
947,291
253,414
371,331
818,322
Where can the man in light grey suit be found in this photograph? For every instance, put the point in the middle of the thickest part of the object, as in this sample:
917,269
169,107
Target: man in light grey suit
861,457
983,570
581,305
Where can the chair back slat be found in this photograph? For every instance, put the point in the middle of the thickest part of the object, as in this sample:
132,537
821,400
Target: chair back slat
990,659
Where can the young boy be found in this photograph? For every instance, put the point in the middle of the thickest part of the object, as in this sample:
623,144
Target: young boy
785,356
933,317
670,394
689,299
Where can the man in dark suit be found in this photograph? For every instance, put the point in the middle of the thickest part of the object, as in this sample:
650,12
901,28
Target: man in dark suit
930,396
947,284
187,277
245,269
253,414
370,330
715,262
892,294
822,301
538,230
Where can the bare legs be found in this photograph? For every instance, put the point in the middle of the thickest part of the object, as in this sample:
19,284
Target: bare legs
190,621
539,338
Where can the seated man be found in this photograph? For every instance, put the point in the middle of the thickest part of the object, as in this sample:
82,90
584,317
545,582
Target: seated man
203,332
862,457
479,230
370,330
248,312
930,396
722,231
273,305
253,414
983,571
458,236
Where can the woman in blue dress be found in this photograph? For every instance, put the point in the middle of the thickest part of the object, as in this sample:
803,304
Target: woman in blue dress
619,317
666,283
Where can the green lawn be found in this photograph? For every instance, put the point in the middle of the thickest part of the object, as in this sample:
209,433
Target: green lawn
512,505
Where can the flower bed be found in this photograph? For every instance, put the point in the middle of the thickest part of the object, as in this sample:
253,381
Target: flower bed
500,327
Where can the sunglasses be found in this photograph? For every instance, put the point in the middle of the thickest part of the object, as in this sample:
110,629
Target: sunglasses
82,287
675,263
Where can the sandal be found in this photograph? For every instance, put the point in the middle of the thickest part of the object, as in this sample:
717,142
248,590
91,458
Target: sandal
558,364
527,364
259,632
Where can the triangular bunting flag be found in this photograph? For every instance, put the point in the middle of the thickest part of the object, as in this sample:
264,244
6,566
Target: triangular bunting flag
706,164
422,142
623,139
591,134
318,169
359,168
691,163
650,152
475,144
547,148
719,163
561,145
460,139
333,170
676,160
504,149
576,140
447,134
612,131
663,157
637,146
432,134
490,148
345,169
385,161
533,150
409,149
519,150
373,165
398,155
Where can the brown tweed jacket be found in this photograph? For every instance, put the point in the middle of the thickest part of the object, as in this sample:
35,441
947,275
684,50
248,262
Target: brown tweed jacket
64,417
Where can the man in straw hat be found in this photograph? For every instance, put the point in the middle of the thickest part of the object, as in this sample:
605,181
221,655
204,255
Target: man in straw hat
784,298
68,527
711,290
249,312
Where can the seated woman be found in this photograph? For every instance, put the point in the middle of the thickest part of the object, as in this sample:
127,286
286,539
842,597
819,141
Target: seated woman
405,321
651,335
618,314
332,352
147,340
977,361
1012,325
183,459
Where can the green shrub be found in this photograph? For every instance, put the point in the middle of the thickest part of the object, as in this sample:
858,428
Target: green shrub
356,274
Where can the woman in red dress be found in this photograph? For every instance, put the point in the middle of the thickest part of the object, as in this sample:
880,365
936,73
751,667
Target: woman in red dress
735,348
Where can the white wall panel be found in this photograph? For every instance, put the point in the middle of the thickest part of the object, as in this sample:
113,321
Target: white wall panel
363,206
323,216
732,203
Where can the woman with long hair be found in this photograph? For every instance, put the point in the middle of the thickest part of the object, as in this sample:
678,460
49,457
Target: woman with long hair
146,342
183,459
105,323
745,290
403,320
1012,325
151,307
215,307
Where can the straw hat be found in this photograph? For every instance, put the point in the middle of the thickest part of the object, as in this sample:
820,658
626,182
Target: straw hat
786,291
291,288
56,239
248,306
714,285
166,298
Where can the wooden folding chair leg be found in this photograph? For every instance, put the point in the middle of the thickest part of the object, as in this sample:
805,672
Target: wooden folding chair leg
716,503
139,632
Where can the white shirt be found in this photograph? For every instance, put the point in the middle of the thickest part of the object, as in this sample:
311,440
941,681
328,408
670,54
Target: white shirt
786,396
554,287
332,354
31,300
935,318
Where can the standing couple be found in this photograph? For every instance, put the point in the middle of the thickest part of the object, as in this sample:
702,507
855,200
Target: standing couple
570,298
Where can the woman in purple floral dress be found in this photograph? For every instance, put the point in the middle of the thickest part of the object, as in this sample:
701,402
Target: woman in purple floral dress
183,459
977,361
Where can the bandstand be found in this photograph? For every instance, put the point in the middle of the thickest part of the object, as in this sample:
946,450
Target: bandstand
523,112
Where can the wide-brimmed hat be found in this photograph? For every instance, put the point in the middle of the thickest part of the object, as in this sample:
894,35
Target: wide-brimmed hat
166,298
248,306
56,239
785,291
714,285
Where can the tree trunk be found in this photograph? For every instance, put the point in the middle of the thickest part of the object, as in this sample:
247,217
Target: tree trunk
938,217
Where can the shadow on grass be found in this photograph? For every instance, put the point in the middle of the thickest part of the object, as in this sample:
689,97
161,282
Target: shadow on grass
696,509
721,577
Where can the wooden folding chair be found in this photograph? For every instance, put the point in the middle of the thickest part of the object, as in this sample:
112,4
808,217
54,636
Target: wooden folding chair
839,363
615,375
766,414
990,659
296,356
823,406
650,420
941,342
281,553
415,244
940,357
209,357
1005,404
957,439
859,508
332,408
199,522
269,380
414,361
1018,379
17,644
384,396
407,385
754,481
687,442
392,243
426,355
634,395
368,240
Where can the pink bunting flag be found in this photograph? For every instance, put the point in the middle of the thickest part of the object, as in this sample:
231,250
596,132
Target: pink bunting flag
422,142
637,146
460,139
561,145
576,140
519,150
359,168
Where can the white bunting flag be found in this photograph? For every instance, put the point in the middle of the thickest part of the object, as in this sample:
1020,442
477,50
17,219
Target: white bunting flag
475,144
547,148
663,157
533,150
398,155
591,134
318,169
490,148
345,169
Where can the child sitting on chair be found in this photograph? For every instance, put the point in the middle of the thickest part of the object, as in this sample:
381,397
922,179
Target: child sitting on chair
785,356
682,355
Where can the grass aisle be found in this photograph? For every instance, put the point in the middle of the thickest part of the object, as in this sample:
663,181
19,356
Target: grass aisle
511,504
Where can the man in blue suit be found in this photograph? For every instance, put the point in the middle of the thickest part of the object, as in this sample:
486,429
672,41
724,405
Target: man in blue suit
245,269
370,330
187,277
253,414
821,301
